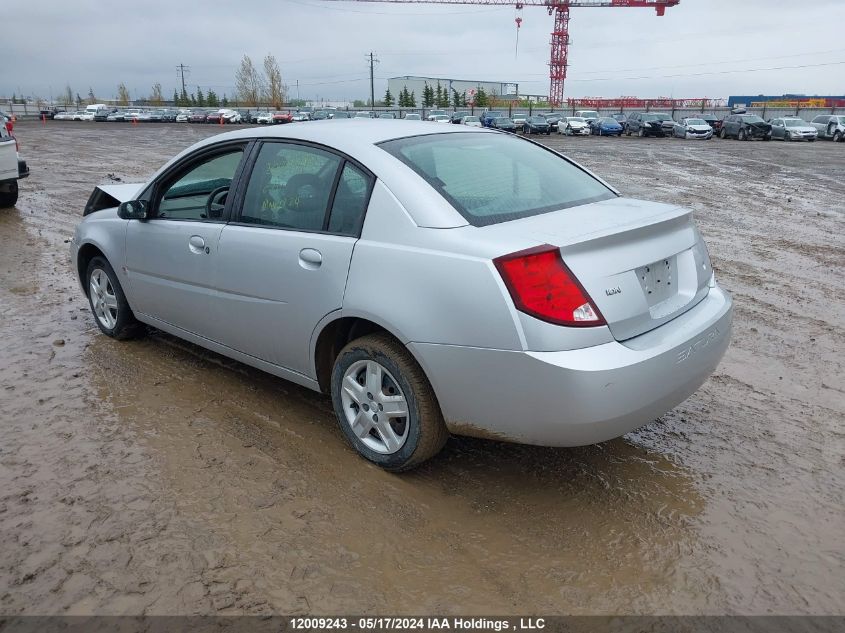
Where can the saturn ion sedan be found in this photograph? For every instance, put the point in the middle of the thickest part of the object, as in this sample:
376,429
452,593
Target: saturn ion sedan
431,279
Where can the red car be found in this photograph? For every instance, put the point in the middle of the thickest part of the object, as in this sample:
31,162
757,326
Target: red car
198,116
213,117
282,117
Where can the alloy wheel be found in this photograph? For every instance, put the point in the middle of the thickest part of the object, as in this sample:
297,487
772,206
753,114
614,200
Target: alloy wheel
375,406
103,298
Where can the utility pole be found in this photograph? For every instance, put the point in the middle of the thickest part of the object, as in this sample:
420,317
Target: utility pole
182,68
372,86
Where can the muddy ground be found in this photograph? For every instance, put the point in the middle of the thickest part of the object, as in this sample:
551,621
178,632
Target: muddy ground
154,477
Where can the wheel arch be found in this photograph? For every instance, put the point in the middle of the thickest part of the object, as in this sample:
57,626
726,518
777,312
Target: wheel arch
87,252
331,335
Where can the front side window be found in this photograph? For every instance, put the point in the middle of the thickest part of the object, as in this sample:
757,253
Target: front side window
290,187
491,178
200,192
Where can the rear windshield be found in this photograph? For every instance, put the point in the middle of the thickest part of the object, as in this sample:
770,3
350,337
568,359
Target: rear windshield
492,178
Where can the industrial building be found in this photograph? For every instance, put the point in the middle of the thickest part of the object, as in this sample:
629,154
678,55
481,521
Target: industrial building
417,84
788,101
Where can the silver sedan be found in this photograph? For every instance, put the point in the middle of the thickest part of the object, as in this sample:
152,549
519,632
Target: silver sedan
793,129
430,280
692,127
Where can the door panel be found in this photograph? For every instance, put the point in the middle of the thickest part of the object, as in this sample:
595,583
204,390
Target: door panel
171,259
275,285
283,264
171,275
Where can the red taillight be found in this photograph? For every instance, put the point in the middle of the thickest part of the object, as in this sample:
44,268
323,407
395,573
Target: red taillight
541,285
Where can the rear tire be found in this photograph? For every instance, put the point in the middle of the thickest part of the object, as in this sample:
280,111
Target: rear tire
392,442
741,136
837,137
108,303
8,199
641,133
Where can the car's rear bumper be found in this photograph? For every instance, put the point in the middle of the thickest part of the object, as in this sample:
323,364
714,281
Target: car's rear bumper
578,397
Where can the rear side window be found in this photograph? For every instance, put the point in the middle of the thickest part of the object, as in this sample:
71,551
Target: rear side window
350,201
492,178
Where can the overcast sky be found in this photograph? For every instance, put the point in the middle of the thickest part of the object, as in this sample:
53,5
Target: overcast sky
693,51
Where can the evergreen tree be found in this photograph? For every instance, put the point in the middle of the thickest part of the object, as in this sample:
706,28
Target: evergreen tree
456,99
481,98
388,98
412,100
193,99
464,102
200,97
175,97
438,95
211,99
184,99
427,96
224,102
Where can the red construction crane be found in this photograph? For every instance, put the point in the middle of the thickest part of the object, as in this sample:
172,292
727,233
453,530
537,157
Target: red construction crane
560,34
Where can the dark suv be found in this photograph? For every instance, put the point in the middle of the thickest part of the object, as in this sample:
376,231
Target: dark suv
644,124
745,127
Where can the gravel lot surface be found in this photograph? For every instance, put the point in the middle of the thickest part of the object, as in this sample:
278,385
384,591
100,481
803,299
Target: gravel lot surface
153,477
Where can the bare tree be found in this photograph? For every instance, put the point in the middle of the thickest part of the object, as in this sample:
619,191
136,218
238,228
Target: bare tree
276,90
156,97
92,98
68,95
248,82
122,94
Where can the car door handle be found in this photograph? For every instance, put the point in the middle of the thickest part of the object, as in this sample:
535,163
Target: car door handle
310,258
196,244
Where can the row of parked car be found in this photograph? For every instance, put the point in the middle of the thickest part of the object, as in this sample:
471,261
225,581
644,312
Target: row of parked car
739,124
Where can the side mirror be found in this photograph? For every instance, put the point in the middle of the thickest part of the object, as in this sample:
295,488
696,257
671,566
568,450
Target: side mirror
133,210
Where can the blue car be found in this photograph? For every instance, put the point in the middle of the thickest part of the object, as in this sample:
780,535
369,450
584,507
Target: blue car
488,117
606,126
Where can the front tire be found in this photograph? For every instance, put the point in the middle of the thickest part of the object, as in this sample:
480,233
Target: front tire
385,405
9,198
108,303
723,134
837,137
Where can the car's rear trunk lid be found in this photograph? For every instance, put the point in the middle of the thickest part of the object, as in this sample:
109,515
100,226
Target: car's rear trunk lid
642,263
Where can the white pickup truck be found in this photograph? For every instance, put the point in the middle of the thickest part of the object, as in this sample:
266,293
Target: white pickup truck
12,168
